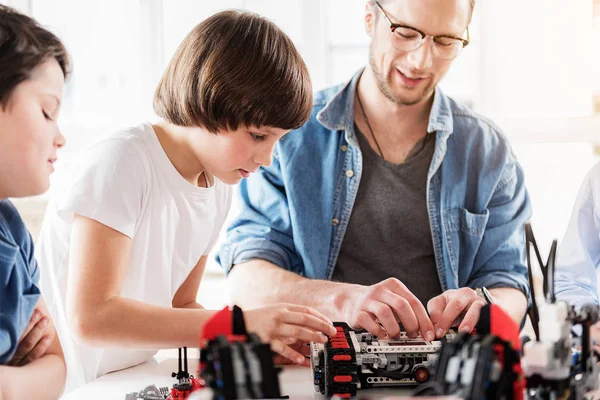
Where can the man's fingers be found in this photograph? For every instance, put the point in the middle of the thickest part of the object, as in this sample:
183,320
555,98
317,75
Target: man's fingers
400,290
471,317
403,311
454,308
368,322
286,351
309,321
423,320
386,316
436,308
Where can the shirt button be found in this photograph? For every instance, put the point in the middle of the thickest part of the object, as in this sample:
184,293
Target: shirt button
349,173
335,221
344,147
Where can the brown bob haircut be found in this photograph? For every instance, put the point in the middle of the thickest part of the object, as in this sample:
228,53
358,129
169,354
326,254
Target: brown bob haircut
24,45
235,69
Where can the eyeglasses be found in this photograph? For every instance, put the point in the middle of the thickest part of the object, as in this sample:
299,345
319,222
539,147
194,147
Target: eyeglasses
406,38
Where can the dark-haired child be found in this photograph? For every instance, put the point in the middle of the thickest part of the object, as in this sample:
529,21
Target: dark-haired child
129,228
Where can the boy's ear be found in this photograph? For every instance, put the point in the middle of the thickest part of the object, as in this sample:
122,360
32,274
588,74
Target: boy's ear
370,18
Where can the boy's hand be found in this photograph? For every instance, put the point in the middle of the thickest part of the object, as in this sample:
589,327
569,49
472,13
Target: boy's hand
280,324
35,341
301,347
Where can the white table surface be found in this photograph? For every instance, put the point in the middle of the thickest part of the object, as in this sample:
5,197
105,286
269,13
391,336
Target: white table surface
295,381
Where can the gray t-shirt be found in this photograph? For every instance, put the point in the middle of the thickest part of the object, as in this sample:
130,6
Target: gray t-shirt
388,234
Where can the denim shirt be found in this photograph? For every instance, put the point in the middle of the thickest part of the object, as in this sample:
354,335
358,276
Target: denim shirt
294,213
578,257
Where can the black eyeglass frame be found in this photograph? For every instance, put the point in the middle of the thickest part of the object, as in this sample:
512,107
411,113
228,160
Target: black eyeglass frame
394,26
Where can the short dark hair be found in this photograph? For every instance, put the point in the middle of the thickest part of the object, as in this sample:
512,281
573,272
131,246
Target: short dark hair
24,45
235,69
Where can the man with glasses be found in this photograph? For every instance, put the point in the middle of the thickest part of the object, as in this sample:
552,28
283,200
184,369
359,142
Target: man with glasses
393,202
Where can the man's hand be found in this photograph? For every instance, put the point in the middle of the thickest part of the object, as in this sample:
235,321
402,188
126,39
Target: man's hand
35,341
285,324
386,303
452,304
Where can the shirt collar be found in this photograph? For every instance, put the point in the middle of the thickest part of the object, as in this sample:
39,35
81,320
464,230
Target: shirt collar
338,113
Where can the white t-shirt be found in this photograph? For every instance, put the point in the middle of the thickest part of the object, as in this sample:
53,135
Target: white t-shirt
128,183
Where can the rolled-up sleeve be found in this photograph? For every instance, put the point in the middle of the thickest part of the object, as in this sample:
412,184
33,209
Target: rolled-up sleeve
263,228
501,258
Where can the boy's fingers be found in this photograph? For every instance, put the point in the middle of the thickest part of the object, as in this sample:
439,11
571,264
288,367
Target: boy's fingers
30,342
303,334
308,321
289,340
35,317
287,352
327,325
38,351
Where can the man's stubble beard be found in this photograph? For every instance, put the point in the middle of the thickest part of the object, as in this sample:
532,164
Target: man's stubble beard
385,85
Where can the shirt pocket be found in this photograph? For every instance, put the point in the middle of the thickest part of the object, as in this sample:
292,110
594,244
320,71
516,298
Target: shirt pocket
464,231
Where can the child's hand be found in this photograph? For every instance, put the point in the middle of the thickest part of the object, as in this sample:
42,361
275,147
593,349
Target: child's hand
280,324
35,341
301,347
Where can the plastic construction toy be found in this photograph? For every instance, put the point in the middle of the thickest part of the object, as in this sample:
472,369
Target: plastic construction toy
558,364
482,365
353,360
149,393
185,385
235,364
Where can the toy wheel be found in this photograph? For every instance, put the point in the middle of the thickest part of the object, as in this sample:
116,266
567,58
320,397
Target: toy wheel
421,374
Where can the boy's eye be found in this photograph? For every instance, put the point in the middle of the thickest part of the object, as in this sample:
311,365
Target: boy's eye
46,115
256,137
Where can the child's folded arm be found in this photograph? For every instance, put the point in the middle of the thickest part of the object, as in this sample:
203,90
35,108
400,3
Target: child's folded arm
19,383
16,382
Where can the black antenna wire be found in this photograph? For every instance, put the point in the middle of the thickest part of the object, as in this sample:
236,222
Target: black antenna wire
533,310
550,273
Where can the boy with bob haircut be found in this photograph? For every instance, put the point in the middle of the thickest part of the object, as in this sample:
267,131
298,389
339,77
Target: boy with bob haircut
251,75
128,230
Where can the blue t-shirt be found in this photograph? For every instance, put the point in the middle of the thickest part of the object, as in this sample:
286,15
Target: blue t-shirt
19,276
